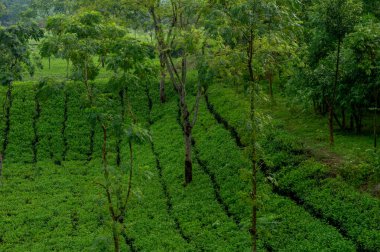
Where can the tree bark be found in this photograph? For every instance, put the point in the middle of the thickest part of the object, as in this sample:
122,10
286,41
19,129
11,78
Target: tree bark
188,161
179,83
130,174
116,240
162,80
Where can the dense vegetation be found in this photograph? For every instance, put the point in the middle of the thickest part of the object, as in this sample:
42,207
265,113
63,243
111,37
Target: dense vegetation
189,125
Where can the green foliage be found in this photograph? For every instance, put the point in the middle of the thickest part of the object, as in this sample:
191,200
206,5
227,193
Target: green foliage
57,24
82,37
281,149
51,97
337,17
355,213
194,205
78,128
364,174
45,210
14,51
129,59
364,43
317,187
283,225
49,47
21,134
62,206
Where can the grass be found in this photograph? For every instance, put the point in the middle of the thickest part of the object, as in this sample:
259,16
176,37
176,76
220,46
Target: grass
58,70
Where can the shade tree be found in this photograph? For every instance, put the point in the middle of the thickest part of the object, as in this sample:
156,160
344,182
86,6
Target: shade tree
335,19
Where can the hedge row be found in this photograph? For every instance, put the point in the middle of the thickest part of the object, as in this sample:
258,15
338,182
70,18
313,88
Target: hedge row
48,208
21,134
77,127
357,214
148,221
283,225
50,124
200,217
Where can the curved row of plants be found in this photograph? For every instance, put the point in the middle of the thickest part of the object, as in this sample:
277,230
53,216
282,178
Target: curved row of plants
148,223
55,203
355,214
200,216
283,225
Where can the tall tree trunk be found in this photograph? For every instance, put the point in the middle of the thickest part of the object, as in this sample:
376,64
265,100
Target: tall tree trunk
187,128
130,173
188,161
49,62
179,82
162,78
87,84
333,98
253,140
116,239
122,94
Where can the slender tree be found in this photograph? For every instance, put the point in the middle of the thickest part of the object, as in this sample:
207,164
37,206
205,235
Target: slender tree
249,24
181,37
336,18
118,193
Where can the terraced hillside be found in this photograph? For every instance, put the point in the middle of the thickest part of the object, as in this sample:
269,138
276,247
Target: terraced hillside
51,198
188,125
